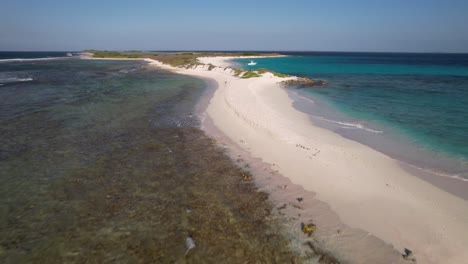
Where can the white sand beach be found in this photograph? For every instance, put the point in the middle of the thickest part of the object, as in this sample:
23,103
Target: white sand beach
372,195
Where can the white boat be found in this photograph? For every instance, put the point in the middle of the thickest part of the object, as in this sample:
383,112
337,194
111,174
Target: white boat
252,63
69,54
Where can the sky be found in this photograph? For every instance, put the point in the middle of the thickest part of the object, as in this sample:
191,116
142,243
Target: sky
292,25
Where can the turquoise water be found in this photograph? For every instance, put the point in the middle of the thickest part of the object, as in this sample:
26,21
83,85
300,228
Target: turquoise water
420,99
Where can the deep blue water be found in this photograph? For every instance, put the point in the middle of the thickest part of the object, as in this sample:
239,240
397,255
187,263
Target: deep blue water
422,98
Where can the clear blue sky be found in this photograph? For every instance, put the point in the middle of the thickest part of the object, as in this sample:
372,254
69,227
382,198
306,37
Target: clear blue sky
331,25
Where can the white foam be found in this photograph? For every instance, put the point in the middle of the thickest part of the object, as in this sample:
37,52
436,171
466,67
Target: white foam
438,173
25,79
128,70
348,125
35,59
345,125
15,79
305,98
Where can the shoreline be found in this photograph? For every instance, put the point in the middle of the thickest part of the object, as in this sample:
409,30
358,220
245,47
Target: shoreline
451,183
283,193
378,196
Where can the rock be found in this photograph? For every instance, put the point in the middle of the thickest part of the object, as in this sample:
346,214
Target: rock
308,228
409,255
302,82
189,244
246,177
313,83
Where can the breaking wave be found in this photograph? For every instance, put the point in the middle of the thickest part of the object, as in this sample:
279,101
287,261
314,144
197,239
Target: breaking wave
349,125
436,172
14,79
33,59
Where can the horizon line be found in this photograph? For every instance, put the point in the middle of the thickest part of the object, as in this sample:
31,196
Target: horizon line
215,50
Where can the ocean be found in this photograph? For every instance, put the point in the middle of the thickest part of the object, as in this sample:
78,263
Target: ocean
413,107
35,55
104,161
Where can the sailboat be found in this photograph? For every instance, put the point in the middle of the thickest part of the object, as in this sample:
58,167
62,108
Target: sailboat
252,63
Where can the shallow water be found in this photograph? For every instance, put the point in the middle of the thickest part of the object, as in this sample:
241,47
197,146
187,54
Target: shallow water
412,107
103,161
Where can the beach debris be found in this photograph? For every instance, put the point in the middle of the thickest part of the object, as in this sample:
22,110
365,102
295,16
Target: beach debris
246,177
299,199
308,228
282,207
317,151
281,186
189,244
297,206
409,255
301,146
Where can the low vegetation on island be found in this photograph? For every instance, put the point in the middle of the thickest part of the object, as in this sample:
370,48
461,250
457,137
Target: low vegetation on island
190,59
114,54
175,59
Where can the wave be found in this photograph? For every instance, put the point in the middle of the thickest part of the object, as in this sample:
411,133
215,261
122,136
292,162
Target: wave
25,79
128,70
438,173
304,98
348,125
33,59
14,79
345,125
